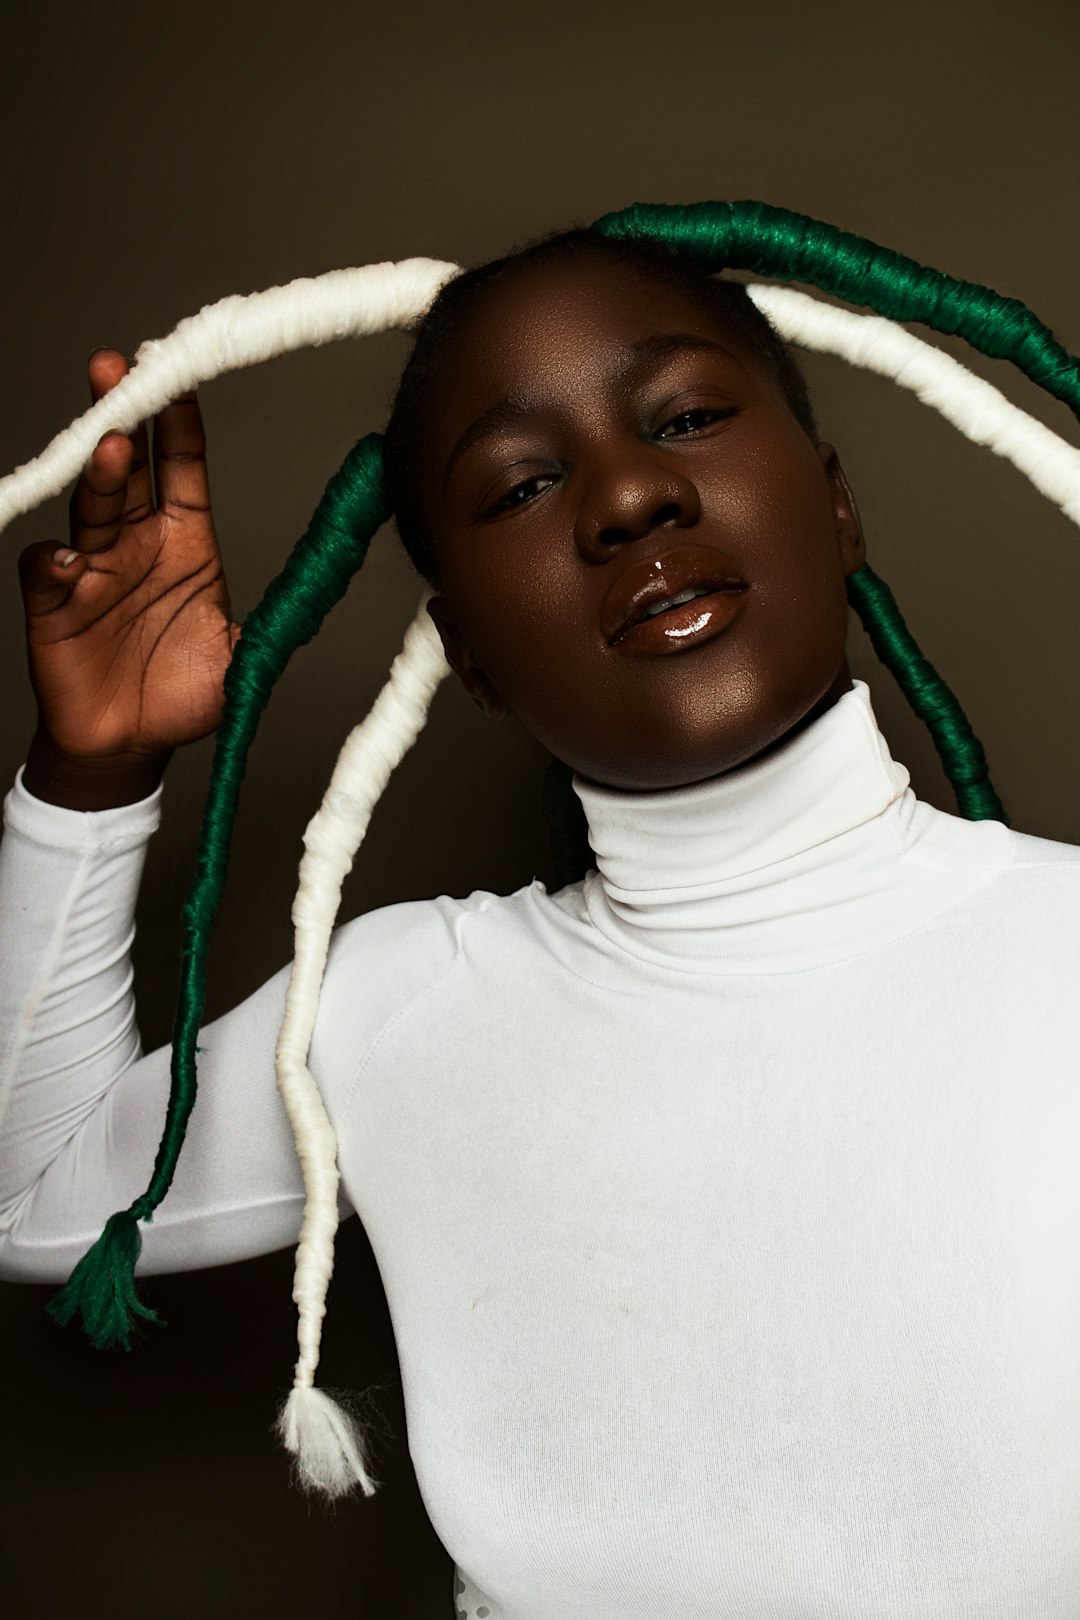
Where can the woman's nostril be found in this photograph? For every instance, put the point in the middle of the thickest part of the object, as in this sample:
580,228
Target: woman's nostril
616,534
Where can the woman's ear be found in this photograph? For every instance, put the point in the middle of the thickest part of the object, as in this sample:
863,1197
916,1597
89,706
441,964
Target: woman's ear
849,535
483,693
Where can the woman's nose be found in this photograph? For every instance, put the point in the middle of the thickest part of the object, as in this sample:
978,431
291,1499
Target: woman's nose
628,500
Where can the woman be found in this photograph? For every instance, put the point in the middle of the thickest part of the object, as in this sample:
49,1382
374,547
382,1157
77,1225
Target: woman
726,1199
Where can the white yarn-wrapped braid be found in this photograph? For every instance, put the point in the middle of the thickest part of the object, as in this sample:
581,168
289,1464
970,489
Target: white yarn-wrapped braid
235,332
975,407
326,1441
241,331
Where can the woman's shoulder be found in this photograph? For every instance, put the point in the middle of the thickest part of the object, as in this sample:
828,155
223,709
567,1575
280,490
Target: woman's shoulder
404,948
1030,850
1033,889
939,834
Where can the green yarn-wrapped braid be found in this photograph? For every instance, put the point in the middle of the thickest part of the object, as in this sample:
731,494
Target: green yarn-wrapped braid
777,242
314,579
960,751
792,247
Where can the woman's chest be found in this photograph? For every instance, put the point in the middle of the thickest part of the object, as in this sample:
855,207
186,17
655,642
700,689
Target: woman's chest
738,1305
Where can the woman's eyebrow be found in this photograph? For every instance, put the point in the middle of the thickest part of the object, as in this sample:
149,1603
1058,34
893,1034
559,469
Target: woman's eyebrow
506,413
662,345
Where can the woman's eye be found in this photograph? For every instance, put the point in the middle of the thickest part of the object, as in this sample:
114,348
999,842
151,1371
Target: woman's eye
522,493
692,421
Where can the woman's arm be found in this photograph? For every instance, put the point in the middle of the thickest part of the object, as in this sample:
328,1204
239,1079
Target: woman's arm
81,1110
129,634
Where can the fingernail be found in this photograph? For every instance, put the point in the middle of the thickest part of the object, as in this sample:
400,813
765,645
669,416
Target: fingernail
63,557
99,350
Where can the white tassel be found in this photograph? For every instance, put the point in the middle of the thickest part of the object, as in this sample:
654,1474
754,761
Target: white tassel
327,1443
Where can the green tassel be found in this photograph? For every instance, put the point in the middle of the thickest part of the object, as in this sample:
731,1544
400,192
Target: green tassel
102,1287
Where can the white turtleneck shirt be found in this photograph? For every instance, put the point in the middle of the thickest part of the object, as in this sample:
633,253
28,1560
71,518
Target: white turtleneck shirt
727,1202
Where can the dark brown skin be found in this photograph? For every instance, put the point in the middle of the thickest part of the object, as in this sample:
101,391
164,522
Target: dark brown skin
603,468
128,645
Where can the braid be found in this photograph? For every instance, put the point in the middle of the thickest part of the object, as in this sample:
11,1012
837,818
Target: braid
793,247
958,748
313,580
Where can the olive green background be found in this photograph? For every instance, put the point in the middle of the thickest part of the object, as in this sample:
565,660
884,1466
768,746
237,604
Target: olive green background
156,158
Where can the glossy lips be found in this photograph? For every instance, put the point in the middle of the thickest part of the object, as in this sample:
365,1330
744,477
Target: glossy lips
654,579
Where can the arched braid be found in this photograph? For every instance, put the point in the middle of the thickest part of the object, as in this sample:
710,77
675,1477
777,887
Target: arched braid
793,247
238,331
102,1286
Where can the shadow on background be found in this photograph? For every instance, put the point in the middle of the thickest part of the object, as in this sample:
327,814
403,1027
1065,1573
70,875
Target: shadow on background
168,1495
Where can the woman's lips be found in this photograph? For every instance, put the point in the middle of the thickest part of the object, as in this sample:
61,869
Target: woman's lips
686,626
650,581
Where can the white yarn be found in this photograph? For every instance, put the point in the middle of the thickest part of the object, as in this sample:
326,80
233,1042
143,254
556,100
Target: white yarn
326,1441
235,332
242,331
975,407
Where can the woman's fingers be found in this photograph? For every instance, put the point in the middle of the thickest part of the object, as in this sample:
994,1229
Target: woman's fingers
98,501
106,367
180,475
47,574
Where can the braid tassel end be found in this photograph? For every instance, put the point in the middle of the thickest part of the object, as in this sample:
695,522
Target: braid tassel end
327,1444
102,1287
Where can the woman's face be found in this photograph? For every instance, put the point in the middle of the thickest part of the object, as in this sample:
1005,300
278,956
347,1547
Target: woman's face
593,432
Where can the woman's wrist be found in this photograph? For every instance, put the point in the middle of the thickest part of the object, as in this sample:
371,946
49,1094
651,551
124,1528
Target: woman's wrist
89,784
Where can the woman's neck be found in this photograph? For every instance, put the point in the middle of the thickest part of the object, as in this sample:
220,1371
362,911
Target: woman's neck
794,858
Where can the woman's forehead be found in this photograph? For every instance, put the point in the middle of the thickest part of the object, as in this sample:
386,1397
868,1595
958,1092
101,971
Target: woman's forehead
553,320
592,298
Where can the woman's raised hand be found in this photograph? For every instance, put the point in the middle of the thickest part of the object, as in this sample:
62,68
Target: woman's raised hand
129,632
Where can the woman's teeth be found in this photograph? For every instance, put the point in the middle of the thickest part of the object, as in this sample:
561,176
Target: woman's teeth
677,601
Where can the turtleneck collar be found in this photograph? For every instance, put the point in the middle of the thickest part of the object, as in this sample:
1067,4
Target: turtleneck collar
818,851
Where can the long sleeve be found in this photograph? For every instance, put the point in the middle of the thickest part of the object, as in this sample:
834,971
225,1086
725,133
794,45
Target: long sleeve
81,1109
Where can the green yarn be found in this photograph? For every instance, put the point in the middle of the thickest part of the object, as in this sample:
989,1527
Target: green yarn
960,751
314,578
792,247
102,1287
